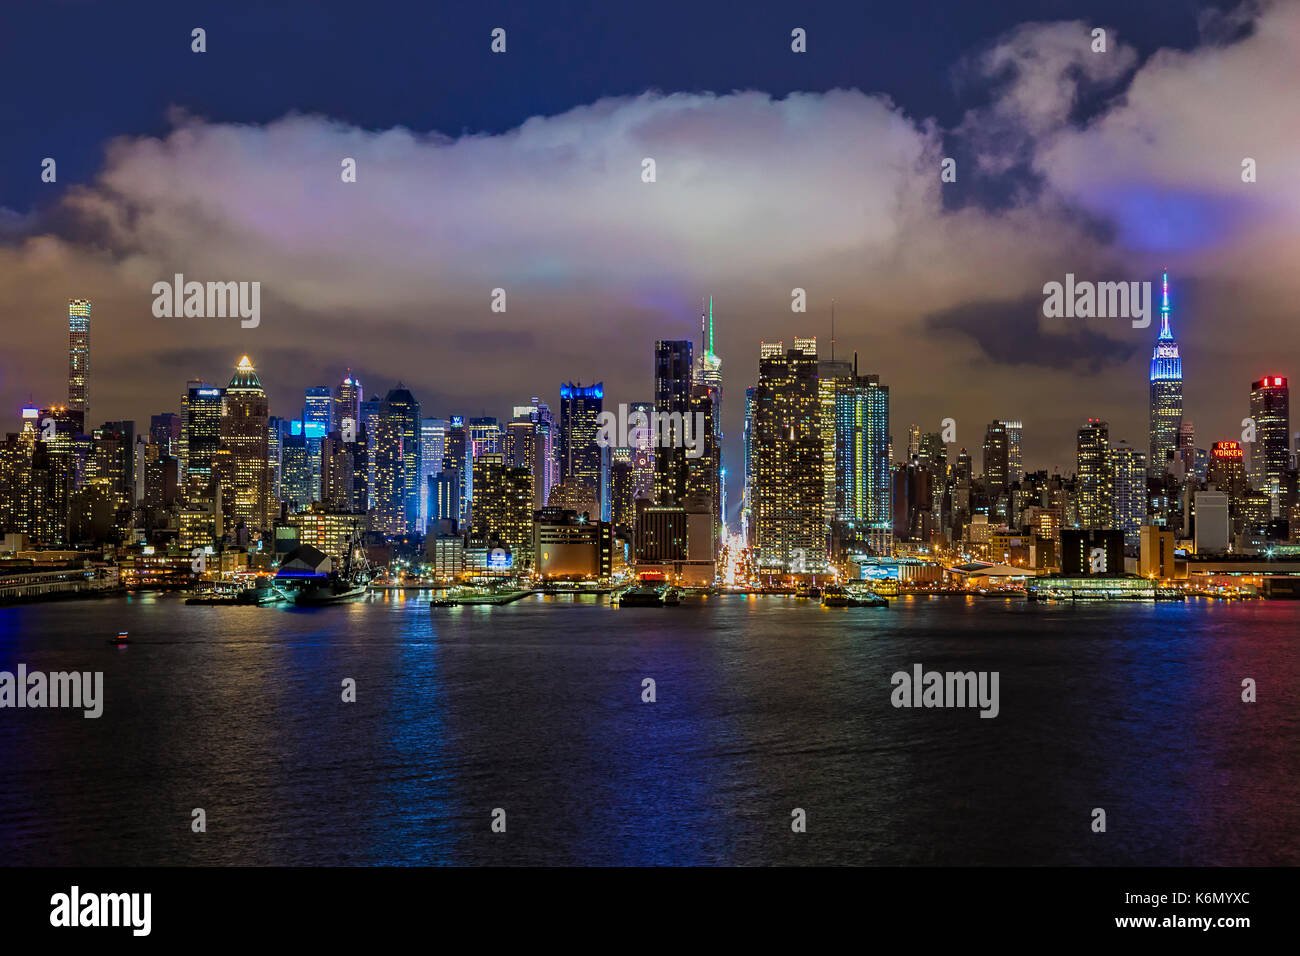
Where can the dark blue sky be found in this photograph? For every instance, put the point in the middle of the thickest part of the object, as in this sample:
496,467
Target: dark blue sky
79,72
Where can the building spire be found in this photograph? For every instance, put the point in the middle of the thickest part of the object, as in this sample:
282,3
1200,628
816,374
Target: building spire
710,325
832,328
1166,333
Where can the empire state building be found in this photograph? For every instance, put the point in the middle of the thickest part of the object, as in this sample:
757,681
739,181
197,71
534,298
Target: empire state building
1166,392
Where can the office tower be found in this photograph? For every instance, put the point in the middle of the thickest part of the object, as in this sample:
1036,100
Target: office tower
706,389
997,467
622,488
318,407
863,518
160,482
295,471
643,450
521,443
1015,454
703,469
672,405
1166,391
747,494
54,472
1227,470
370,418
337,478
1096,481
1129,492
546,436
831,374
788,481
1270,407
347,406
201,436
397,464
456,458
1227,474
79,359
580,457
433,445
100,509
913,441
444,499
276,429
244,433
485,436
503,506
165,432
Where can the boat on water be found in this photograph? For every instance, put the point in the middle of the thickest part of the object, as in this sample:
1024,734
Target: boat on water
672,597
807,591
309,578
122,638
263,592
479,596
641,596
835,596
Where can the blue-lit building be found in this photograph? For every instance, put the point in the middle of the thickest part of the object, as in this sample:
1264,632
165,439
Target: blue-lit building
863,499
1166,391
580,455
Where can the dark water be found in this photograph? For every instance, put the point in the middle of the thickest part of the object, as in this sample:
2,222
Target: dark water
763,705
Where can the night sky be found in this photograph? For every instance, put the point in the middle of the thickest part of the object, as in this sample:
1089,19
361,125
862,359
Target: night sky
775,170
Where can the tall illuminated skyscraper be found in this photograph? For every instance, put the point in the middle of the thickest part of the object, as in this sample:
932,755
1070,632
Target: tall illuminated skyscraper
79,359
788,478
397,464
200,435
1166,391
347,405
705,473
863,503
1129,492
580,455
673,374
244,432
1270,407
1095,476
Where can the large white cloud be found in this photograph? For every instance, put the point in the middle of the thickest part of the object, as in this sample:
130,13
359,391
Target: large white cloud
836,192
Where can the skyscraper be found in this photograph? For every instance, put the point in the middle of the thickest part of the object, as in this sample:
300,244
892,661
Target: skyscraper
673,373
79,359
1129,491
503,505
1095,476
997,469
433,445
706,398
580,455
347,406
244,433
397,464
863,503
200,435
1270,457
1166,410
831,375
788,479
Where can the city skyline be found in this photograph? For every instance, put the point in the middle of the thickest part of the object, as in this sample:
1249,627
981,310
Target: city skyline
933,281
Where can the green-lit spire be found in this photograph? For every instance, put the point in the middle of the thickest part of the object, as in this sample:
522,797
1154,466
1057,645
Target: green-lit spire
710,325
